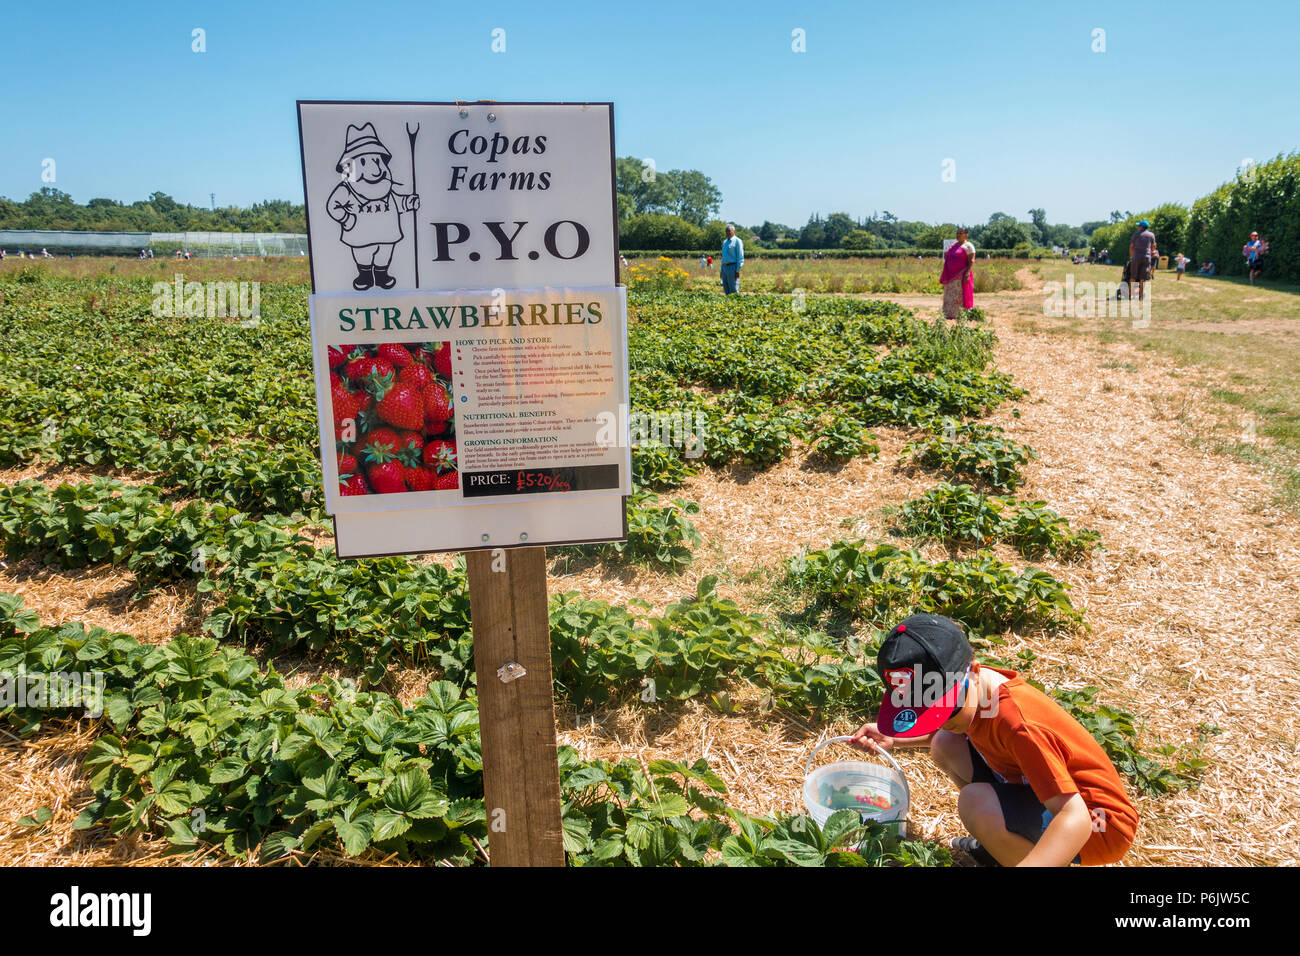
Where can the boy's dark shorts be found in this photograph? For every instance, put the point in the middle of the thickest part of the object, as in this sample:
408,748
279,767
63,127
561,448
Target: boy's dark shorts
1021,809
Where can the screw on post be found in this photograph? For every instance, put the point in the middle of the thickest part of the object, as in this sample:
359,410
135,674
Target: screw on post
510,671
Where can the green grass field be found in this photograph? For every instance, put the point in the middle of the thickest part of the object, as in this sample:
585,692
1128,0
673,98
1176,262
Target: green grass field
853,276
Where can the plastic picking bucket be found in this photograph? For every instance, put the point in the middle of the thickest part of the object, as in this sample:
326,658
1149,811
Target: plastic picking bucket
878,793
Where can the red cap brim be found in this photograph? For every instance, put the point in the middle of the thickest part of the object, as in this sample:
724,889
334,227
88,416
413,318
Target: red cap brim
898,719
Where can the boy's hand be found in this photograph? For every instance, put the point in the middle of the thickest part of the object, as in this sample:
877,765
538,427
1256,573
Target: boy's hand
870,739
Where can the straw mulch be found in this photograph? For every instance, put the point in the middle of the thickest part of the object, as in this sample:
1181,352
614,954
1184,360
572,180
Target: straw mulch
1193,612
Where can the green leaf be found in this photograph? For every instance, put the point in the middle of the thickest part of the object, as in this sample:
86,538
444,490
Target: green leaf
389,824
354,834
411,794
796,852
672,805
735,853
41,816
577,833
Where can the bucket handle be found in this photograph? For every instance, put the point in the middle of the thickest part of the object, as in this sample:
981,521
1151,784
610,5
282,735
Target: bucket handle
807,767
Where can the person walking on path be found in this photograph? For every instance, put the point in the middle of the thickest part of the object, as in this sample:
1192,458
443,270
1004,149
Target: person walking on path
733,260
958,284
1254,252
1180,264
1139,257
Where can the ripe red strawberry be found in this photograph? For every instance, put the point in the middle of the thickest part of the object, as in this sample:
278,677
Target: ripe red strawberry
418,478
379,444
387,477
347,465
366,366
402,406
437,408
440,456
442,358
446,482
416,374
397,355
346,405
354,485
337,355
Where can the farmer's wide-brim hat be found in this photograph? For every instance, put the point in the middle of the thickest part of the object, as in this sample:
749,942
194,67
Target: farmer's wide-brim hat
361,140
923,663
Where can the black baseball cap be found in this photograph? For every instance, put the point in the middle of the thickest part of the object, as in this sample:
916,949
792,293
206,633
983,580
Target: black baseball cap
923,662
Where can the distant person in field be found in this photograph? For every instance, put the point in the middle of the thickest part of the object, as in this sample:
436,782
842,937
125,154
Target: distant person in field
1139,256
956,279
703,263
733,260
1254,251
1180,264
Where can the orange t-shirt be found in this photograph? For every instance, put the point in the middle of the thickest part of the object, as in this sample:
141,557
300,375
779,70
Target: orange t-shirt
1029,738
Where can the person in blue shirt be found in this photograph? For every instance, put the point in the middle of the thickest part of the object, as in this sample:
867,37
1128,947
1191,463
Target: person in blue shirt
1254,252
733,259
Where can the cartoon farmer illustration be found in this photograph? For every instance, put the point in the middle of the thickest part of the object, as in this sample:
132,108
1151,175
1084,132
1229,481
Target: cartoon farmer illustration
367,208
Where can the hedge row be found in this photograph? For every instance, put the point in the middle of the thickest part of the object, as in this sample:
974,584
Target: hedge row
1264,199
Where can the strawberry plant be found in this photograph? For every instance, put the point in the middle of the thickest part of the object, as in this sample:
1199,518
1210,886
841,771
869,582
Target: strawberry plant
884,584
658,536
843,438
659,467
976,451
203,745
959,514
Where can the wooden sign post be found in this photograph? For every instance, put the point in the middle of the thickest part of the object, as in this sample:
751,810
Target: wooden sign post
512,656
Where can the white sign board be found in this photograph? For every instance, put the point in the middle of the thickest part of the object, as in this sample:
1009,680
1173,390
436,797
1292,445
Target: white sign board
464,268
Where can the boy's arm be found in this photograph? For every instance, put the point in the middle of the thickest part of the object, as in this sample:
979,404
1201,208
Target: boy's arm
869,738
1065,836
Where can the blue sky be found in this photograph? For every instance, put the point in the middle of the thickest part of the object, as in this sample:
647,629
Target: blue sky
860,122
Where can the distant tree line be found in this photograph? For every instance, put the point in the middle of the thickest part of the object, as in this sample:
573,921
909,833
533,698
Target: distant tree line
888,231
53,209
677,209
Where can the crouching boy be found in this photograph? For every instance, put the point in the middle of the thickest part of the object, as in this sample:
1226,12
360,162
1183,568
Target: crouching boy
1035,788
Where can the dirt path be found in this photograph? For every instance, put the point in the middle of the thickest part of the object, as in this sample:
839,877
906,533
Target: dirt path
1196,611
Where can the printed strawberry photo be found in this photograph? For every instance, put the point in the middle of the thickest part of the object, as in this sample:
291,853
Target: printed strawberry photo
394,418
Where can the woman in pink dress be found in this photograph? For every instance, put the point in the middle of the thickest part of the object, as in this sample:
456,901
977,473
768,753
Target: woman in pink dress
958,286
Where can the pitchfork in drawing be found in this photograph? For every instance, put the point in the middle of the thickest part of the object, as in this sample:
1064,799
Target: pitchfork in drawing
367,208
